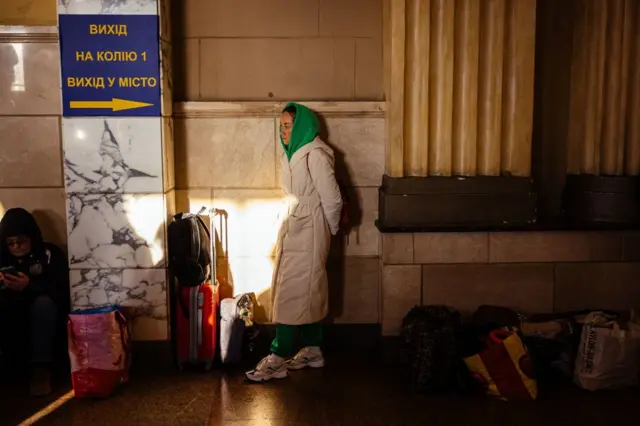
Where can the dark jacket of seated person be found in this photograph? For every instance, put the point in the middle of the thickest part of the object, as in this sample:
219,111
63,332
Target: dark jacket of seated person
34,293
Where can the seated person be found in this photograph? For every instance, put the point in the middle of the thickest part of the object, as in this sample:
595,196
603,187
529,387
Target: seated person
34,288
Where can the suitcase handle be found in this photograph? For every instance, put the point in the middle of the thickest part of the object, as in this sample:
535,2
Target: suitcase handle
213,212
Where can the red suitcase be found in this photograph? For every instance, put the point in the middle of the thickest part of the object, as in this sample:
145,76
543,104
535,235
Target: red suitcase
197,312
197,331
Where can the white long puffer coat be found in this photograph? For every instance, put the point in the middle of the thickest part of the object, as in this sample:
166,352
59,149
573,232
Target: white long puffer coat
300,293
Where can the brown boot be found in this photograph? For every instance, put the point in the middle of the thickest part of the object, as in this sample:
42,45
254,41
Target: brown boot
40,384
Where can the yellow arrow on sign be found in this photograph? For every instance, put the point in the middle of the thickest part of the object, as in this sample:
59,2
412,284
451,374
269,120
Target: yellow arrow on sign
114,104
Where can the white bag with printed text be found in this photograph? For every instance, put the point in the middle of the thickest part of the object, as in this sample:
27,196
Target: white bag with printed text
608,356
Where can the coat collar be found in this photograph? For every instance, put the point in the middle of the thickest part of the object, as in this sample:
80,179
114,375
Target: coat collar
303,151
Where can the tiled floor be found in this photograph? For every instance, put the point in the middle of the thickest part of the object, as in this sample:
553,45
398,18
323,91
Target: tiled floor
344,393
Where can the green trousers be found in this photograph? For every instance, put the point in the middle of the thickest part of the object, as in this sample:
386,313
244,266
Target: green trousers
282,345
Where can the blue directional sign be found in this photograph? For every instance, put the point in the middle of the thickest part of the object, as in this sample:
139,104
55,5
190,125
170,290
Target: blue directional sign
110,65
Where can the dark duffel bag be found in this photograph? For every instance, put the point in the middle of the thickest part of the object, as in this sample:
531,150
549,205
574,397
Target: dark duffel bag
430,359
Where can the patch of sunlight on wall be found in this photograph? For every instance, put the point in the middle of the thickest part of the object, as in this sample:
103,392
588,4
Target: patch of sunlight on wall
251,274
146,216
2,209
252,235
253,225
18,83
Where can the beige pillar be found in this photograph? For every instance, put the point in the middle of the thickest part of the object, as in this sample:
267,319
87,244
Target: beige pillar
615,85
394,54
587,82
465,87
632,152
441,87
596,37
603,123
490,86
578,96
627,45
416,107
450,65
518,81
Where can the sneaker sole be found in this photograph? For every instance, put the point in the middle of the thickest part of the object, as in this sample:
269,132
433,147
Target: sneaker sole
278,375
313,364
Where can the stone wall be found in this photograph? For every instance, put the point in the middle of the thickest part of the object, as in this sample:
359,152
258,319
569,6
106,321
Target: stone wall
526,271
254,50
31,151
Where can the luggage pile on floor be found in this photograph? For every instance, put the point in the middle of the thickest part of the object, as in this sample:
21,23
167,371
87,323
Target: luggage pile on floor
207,328
204,329
506,355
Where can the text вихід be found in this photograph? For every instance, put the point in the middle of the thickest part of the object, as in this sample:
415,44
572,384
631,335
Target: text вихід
104,29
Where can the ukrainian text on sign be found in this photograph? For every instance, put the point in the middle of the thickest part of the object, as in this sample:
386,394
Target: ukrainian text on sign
110,65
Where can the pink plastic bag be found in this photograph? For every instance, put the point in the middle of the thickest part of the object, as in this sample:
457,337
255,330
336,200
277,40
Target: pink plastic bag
99,350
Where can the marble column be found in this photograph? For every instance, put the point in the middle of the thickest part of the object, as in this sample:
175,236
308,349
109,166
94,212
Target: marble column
119,184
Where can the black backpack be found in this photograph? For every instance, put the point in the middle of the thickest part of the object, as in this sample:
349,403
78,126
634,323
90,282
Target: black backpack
430,359
189,249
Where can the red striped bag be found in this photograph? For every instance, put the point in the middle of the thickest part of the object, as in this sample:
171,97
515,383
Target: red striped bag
504,368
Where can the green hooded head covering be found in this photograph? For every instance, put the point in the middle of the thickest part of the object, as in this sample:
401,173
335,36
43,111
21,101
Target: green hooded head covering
305,128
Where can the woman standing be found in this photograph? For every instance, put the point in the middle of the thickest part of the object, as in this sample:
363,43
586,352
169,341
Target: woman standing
300,288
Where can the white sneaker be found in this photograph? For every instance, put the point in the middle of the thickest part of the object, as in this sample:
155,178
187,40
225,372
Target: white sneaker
271,367
310,356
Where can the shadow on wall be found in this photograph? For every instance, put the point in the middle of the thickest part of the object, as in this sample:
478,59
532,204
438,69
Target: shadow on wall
336,262
179,60
180,155
47,220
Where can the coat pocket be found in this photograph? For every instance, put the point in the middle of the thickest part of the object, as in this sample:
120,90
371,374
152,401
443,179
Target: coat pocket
300,229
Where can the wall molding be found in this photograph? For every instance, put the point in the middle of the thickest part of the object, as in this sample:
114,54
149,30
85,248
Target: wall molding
27,34
272,109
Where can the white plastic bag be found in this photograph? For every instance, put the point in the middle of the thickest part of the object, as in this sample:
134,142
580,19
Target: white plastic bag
608,357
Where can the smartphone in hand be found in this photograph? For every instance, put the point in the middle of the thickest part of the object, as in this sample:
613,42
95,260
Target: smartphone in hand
10,270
